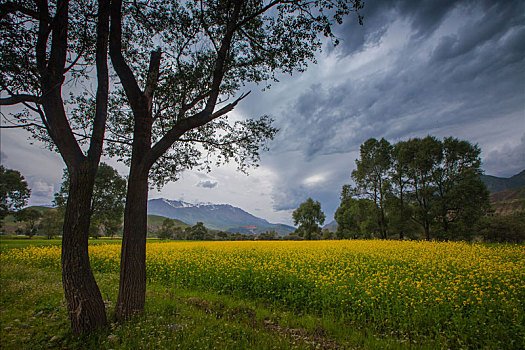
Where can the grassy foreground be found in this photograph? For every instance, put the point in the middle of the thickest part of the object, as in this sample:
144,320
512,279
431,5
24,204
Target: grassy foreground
354,294
33,316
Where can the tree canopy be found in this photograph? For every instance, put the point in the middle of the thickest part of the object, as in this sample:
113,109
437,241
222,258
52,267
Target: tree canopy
14,191
107,203
432,183
308,215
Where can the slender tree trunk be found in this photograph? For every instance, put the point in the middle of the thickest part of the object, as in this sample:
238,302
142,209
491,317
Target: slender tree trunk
427,231
83,298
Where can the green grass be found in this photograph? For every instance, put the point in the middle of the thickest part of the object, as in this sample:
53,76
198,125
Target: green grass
33,316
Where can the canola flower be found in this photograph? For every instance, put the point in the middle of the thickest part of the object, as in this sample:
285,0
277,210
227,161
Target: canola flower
464,293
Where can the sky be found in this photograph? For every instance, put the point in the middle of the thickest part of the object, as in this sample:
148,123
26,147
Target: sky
415,68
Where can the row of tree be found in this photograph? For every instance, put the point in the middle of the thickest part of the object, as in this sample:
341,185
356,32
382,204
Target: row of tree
423,184
420,185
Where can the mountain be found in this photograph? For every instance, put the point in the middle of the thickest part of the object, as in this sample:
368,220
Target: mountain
496,184
331,226
155,222
508,201
214,216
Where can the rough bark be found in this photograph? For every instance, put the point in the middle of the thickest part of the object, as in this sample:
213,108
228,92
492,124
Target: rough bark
83,298
132,286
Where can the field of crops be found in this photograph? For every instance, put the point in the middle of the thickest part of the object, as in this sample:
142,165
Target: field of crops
456,293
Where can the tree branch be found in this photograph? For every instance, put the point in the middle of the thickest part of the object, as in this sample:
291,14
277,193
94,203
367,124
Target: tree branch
153,76
220,63
11,7
135,96
181,127
19,98
22,126
101,107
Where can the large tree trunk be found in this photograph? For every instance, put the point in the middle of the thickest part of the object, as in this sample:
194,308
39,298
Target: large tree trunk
132,286
83,298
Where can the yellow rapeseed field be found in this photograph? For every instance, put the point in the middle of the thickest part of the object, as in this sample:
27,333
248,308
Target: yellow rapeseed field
472,293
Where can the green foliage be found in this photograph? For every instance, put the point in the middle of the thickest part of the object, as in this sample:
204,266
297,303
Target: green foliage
51,223
268,236
356,218
308,216
197,232
424,181
14,191
372,176
170,230
107,203
502,228
31,217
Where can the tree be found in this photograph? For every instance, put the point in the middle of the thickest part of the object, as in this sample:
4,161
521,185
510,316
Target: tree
356,218
14,191
167,230
30,216
270,235
107,203
44,46
372,176
502,228
423,181
425,158
308,215
462,198
51,223
196,232
400,211
179,65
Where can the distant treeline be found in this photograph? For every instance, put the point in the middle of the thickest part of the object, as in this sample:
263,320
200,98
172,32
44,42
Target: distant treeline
421,188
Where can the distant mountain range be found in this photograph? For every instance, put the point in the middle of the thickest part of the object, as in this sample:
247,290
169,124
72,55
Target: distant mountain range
214,216
497,184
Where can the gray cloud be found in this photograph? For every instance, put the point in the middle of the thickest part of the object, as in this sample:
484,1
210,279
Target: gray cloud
458,66
207,184
507,161
41,191
464,78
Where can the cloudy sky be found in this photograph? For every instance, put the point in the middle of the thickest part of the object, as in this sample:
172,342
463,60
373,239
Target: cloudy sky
416,67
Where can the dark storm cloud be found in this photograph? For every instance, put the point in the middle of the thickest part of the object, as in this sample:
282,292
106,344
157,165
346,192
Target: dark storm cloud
207,184
424,16
460,64
475,74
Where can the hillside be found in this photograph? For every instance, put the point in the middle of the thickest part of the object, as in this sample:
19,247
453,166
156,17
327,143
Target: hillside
214,216
155,222
331,226
497,184
508,201
9,225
